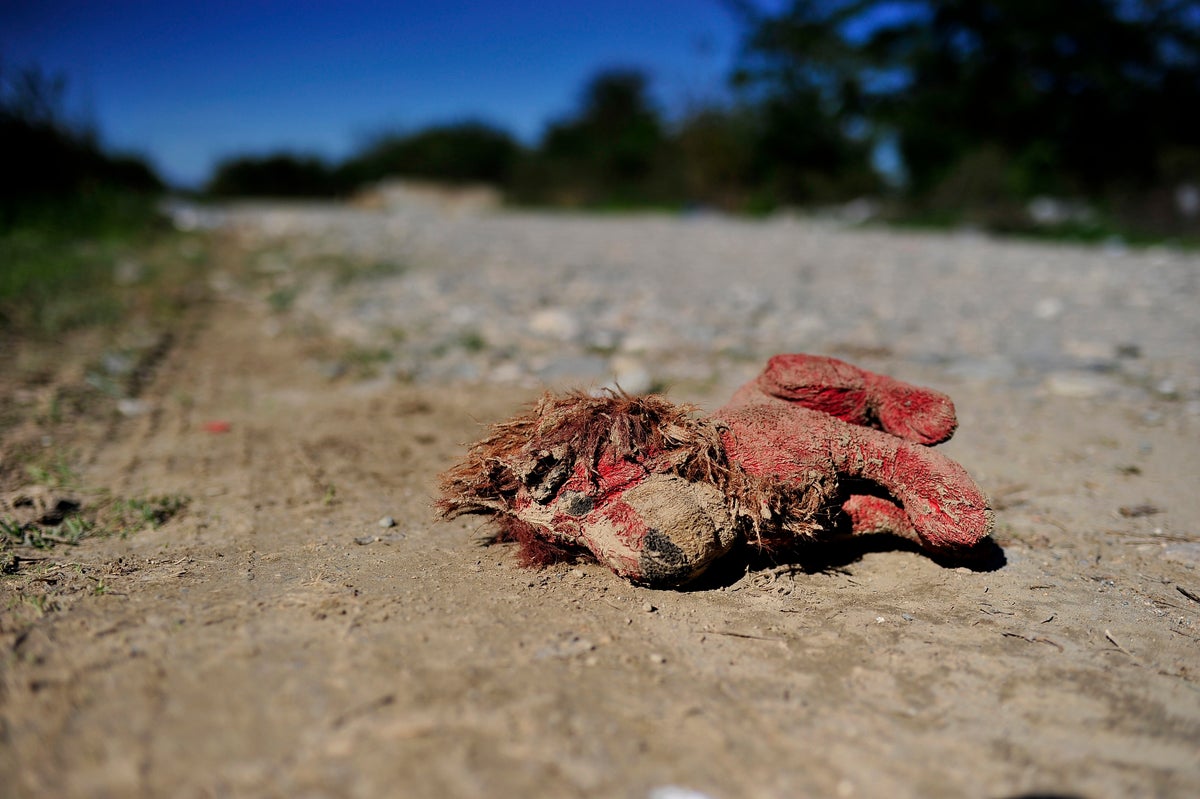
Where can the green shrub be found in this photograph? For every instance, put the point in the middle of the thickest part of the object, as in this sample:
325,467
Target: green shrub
277,175
465,152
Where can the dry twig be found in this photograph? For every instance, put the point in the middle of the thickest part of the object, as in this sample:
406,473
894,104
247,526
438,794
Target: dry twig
1036,639
1114,642
733,634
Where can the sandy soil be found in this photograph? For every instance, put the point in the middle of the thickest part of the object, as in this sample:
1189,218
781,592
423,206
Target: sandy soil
275,640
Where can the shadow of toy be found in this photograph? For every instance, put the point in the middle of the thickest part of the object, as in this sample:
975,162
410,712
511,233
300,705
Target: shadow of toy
815,557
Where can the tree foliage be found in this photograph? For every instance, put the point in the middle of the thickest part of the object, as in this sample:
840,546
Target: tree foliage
985,104
463,152
50,163
466,152
281,174
1068,97
612,150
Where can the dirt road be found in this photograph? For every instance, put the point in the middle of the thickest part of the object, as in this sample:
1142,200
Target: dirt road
275,640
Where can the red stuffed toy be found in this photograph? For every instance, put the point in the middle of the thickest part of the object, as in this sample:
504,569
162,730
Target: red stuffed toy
812,447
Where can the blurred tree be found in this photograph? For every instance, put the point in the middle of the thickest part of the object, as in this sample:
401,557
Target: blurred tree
804,79
804,152
617,130
277,175
614,150
465,152
717,155
1074,96
1081,94
47,159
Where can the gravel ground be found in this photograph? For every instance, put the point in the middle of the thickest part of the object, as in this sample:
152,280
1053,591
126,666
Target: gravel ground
652,301
274,639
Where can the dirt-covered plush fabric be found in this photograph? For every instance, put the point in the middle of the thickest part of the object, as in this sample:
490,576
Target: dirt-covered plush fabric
536,451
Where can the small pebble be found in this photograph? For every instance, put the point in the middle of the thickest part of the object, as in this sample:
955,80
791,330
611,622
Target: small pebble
675,792
657,659
366,539
631,376
1188,553
386,522
1048,308
558,323
648,608
132,407
1078,385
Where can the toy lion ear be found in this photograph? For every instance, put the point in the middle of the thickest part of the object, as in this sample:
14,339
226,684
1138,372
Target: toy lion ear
544,471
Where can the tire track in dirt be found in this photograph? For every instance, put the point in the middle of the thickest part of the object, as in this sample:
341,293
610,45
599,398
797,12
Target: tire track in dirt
155,367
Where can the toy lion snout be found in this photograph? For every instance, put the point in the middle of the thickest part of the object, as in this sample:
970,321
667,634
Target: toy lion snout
687,526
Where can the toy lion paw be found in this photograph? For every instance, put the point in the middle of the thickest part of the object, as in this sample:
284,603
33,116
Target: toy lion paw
814,447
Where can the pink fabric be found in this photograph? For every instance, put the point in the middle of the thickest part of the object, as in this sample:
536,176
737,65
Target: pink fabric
657,494
809,415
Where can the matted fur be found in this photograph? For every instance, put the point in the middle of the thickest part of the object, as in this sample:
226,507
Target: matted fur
538,449
536,550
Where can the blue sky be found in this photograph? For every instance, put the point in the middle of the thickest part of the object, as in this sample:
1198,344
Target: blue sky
186,83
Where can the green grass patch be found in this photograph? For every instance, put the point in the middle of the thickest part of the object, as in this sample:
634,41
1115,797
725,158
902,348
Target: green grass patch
55,473
281,300
53,508
104,518
1104,230
366,362
472,341
152,512
346,272
70,531
63,265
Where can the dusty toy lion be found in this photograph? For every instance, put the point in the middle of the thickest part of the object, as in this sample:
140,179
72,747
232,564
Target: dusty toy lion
813,447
